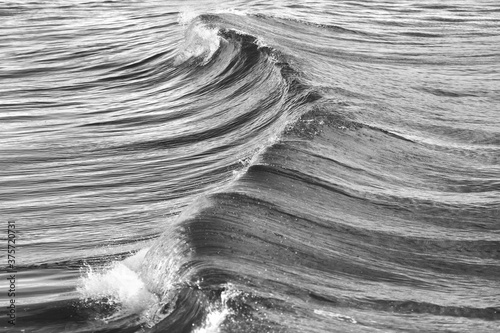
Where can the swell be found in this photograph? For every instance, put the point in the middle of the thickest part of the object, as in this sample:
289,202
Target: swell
190,117
241,68
341,217
299,230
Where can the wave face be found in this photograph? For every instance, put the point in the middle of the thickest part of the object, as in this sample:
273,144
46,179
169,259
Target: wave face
252,166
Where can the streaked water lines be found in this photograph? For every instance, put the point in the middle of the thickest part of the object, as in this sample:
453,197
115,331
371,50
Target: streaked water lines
272,167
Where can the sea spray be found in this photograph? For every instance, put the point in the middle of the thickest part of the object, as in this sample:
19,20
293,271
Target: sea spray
119,288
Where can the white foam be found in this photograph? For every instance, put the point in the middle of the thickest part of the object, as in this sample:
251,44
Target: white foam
200,39
119,284
200,42
218,312
213,321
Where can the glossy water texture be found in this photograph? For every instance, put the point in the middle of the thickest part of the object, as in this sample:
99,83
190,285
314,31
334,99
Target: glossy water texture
251,166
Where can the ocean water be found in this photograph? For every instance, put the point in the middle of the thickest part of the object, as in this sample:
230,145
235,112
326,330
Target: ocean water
250,166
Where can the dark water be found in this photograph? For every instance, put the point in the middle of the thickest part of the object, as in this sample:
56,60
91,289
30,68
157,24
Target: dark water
251,166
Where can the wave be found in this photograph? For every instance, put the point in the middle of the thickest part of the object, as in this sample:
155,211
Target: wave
324,222
163,286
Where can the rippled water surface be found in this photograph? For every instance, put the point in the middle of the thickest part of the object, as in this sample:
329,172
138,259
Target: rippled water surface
251,166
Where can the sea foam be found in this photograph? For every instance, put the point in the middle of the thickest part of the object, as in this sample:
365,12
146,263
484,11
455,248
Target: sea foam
119,285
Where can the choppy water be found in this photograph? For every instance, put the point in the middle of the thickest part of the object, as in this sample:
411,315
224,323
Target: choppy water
251,166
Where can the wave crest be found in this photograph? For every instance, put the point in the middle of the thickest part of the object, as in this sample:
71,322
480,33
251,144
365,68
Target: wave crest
201,42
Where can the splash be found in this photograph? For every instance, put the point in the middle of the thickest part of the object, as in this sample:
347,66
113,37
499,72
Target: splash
218,312
201,40
145,284
119,286
214,320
